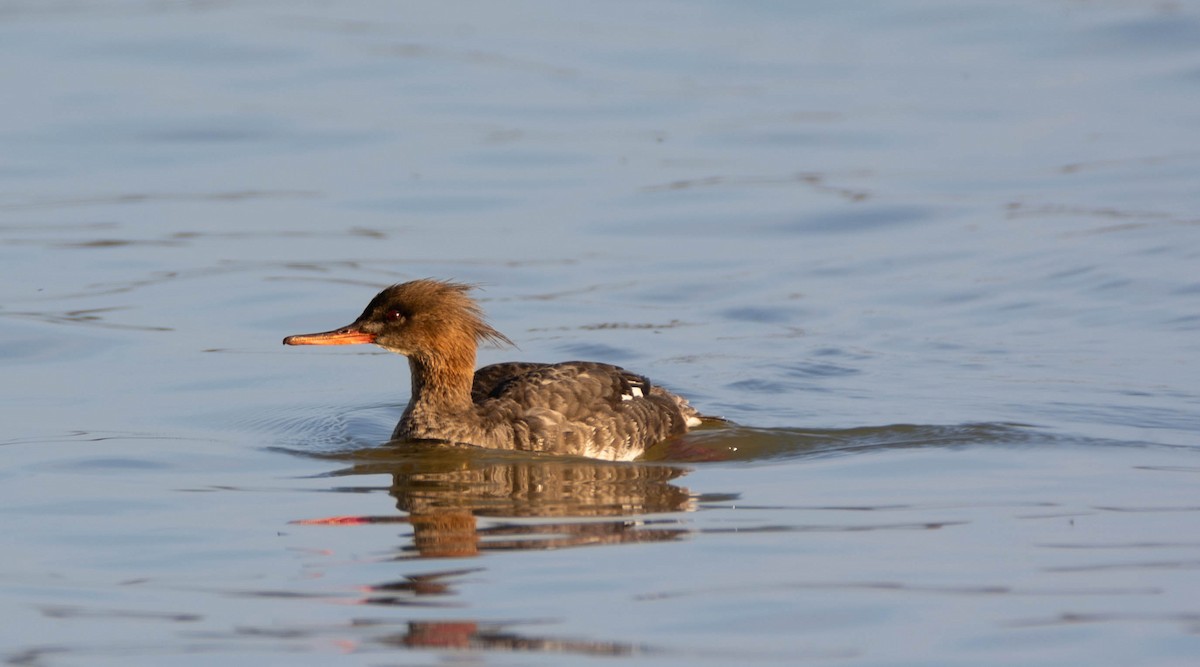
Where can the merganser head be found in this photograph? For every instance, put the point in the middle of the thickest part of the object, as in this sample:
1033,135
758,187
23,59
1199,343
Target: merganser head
419,319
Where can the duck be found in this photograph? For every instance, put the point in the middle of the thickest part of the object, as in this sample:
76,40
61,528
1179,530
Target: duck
576,408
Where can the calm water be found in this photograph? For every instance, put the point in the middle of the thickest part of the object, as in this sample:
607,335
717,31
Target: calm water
937,262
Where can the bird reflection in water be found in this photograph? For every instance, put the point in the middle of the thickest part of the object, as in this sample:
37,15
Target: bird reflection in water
472,635
464,502
553,502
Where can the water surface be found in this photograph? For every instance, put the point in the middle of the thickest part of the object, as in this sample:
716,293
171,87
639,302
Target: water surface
935,262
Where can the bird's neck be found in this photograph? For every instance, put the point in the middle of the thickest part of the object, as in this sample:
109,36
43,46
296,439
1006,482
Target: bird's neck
441,387
441,380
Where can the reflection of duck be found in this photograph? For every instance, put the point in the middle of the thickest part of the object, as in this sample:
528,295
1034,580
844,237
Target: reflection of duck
577,407
450,479
477,636
444,490
466,634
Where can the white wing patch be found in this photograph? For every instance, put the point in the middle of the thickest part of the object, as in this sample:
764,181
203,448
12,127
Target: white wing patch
634,392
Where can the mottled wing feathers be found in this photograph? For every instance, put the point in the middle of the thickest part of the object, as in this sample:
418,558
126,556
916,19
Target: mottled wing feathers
489,378
576,389
580,407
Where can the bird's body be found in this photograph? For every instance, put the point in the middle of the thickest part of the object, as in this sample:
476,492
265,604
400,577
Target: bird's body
580,408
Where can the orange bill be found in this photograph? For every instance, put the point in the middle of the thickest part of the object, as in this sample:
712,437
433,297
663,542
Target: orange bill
343,336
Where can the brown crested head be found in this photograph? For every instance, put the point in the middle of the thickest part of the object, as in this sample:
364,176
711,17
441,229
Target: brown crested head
423,319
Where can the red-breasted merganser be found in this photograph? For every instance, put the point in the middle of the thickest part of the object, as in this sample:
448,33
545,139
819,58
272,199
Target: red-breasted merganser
582,408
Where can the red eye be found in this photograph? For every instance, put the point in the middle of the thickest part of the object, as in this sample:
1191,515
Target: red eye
394,316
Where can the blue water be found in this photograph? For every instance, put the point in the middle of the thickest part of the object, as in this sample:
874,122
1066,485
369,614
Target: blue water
935,262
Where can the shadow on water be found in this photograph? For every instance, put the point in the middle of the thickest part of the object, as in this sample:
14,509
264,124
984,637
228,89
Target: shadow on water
473,635
442,491
726,441
464,502
454,634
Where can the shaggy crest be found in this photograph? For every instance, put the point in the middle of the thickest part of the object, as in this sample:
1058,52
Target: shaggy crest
440,301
